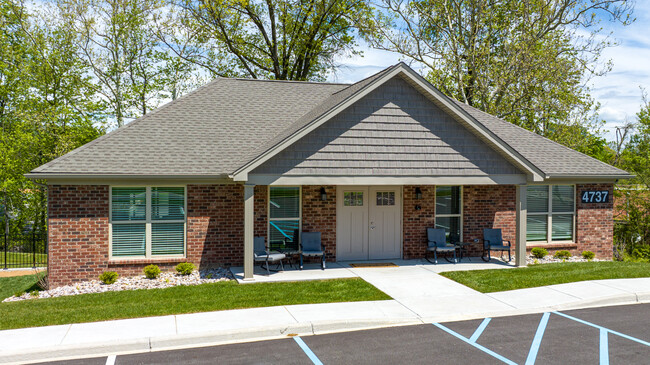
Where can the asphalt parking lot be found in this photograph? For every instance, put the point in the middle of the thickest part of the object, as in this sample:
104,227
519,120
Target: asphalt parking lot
616,335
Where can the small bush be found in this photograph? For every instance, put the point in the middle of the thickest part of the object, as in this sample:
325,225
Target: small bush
151,271
185,268
539,252
108,277
19,293
641,252
34,293
562,254
588,255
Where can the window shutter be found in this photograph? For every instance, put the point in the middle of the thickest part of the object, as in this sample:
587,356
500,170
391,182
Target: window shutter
167,238
129,239
129,204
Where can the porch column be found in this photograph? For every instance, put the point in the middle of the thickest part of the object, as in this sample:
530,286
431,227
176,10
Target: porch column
249,218
522,208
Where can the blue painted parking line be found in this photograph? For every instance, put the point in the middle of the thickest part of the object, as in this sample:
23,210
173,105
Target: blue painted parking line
482,348
604,347
606,329
537,340
480,330
312,356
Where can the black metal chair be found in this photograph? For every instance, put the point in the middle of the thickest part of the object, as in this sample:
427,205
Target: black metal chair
437,242
493,241
264,256
311,246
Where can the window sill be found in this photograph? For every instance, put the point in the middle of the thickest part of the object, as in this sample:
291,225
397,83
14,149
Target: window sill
161,260
554,246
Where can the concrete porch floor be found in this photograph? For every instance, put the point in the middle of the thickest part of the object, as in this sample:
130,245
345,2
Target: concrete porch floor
341,270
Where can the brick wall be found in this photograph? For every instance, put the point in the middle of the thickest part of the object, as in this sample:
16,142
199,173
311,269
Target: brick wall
416,221
488,206
594,222
320,216
78,233
215,225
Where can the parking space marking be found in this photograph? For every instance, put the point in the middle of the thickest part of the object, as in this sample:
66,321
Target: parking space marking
606,329
604,347
482,348
110,360
480,329
537,340
312,356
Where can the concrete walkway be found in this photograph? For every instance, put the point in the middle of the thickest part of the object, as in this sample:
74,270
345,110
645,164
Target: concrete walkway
420,296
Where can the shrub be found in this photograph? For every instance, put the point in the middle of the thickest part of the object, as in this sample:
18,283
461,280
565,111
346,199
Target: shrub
34,293
151,271
108,277
185,268
19,294
562,254
588,255
539,252
641,252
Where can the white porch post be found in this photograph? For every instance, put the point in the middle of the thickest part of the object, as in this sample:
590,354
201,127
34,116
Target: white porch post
249,218
522,208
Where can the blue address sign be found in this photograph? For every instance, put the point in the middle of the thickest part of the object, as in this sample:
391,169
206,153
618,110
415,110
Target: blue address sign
595,196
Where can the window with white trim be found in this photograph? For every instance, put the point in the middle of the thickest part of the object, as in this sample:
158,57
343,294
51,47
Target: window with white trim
147,222
284,214
551,213
449,211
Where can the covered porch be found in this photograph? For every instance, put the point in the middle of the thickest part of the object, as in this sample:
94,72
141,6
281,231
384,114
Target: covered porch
405,211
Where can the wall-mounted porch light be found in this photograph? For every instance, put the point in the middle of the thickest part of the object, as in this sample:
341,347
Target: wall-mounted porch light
418,193
323,194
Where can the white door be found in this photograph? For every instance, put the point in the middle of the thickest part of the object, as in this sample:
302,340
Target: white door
352,223
368,223
385,226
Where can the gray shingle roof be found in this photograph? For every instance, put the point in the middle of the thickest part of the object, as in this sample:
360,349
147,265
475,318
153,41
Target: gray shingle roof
226,123
551,157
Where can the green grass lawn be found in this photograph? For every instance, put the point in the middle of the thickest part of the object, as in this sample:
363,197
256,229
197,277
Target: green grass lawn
20,259
13,285
180,299
493,280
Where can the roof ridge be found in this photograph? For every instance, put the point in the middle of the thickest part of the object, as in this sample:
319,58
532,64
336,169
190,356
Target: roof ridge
120,129
376,74
533,133
285,81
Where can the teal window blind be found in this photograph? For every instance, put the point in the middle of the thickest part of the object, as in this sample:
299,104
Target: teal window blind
148,221
537,227
537,197
551,210
448,208
167,238
284,211
168,203
129,204
447,200
129,239
284,202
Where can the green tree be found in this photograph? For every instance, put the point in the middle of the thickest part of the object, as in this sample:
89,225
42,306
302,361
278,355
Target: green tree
47,106
117,43
272,39
525,61
632,232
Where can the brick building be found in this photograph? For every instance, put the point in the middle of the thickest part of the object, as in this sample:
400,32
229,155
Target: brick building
369,165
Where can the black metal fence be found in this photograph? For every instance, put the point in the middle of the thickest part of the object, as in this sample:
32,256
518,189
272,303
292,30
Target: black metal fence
27,249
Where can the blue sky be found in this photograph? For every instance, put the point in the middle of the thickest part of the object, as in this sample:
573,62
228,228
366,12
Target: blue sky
619,92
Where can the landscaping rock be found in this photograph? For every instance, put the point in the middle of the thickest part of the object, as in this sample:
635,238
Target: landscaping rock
549,259
165,280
